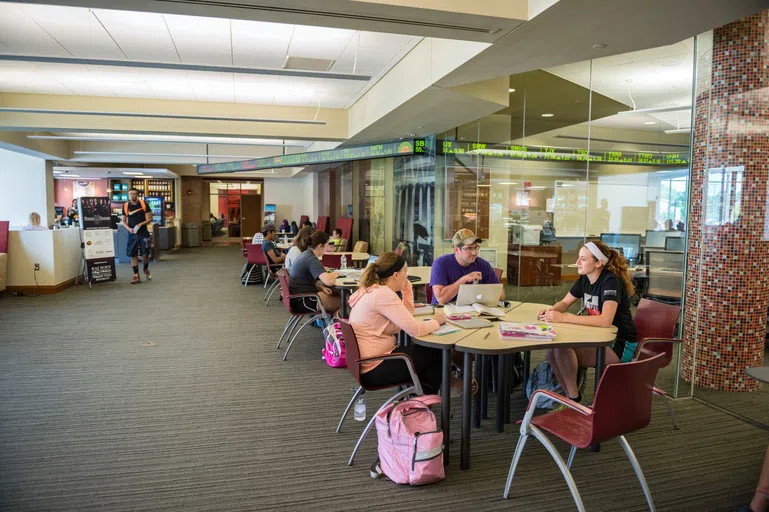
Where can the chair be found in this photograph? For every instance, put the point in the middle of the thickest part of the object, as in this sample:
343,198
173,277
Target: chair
332,260
498,272
655,325
243,242
323,223
360,246
344,224
342,247
271,271
254,257
274,271
622,404
296,317
302,220
406,388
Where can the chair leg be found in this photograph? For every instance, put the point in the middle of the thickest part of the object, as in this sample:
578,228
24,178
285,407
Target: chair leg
358,392
514,463
561,465
572,453
272,289
408,391
670,410
248,276
291,321
266,277
293,338
638,472
243,270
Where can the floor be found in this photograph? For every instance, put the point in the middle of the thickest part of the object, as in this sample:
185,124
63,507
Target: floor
170,395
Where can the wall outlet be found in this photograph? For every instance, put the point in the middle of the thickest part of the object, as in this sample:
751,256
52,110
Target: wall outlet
37,267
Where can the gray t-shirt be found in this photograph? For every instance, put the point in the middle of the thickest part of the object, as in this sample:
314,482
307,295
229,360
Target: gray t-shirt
304,272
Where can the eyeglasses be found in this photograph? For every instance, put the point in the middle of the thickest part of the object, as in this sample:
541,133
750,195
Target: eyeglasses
471,249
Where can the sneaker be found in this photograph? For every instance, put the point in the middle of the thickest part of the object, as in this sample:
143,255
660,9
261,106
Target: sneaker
580,400
147,274
581,380
136,279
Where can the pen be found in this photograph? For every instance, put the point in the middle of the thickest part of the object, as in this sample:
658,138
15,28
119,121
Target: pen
487,335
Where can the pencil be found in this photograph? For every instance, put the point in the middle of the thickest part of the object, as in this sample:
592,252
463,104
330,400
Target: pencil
487,335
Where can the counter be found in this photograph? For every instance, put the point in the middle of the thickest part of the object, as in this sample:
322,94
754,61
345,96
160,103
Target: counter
58,253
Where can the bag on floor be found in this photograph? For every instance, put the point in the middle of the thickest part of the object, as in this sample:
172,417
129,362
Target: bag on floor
334,353
410,443
543,377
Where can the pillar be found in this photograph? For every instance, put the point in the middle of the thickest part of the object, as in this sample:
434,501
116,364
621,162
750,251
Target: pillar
727,283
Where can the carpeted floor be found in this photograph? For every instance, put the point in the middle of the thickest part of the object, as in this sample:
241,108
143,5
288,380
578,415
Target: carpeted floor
209,418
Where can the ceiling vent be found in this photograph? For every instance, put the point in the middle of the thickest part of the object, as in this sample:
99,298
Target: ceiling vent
306,64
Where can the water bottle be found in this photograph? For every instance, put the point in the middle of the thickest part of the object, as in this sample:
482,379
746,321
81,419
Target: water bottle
360,409
344,262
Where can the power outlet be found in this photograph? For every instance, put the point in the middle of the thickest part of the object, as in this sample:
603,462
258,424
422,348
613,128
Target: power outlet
37,267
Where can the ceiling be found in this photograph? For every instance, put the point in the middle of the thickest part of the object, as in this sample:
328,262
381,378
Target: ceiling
86,36
68,172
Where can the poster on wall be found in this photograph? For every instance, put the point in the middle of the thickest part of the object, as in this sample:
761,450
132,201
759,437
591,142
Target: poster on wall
269,213
98,245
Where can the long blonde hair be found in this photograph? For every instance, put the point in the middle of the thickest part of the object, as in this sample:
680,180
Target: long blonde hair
34,219
617,265
384,262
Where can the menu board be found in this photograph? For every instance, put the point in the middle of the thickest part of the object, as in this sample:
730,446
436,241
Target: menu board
384,150
544,153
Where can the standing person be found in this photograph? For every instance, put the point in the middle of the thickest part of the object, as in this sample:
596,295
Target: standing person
136,215
300,243
463,266
605,287
378,314
308,275
274,256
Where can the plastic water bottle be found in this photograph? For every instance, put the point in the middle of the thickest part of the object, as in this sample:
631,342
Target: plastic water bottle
344,262
360,409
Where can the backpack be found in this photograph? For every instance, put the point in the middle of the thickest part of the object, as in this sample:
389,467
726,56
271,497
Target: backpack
410,444
125,206
543,378
334,353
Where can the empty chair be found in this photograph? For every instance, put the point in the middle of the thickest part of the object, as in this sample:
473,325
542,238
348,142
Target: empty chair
622,404
655,325
313,301
360,246
332,260
407,388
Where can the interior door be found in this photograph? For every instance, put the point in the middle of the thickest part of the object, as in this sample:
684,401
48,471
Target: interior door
250,214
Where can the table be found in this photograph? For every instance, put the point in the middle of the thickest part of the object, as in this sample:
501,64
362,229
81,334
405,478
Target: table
760,373
488,342
446,343
346,283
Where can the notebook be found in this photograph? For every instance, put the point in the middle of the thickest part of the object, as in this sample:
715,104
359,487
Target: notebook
522,331
473,323
474,309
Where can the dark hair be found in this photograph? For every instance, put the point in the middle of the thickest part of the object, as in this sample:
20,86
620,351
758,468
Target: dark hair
318,238
302,239
307,223
378,273
337,230
133,189
617,265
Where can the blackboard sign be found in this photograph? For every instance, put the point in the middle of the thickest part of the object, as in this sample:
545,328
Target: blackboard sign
94,212
98,247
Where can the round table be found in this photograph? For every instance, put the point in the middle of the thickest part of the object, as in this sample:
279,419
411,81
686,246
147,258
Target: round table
760,373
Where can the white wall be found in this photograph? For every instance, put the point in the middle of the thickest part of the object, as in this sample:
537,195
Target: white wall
24,188
57,252
293,197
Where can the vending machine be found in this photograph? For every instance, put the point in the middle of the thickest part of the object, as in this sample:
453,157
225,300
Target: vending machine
157,206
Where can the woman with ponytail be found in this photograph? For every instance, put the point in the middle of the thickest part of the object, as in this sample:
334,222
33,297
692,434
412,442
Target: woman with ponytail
300,243
605,287
377,314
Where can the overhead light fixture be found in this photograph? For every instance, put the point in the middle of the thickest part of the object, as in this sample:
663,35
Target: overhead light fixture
508,183
679,130
175,139
650,122
548,115
133,173
599,46
123,153
654,110
57,172
511,90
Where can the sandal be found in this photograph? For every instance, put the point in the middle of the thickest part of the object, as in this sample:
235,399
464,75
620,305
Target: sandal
458,394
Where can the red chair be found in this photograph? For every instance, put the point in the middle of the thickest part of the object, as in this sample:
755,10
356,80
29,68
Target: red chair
622,404
254,257
410,387
331,260
655,325
296,316
498,272
243,242
302,220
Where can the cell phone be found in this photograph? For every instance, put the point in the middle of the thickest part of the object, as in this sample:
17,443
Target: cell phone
504,304
349,282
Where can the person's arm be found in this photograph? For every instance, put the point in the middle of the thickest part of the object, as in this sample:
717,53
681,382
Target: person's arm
147,220
319,273
125,223
389,305
277,258
408,297
444,294
605,319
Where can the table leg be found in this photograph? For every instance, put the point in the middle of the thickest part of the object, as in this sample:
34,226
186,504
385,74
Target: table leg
484,388
343,308
600,363
526,371
508,385
477,397
467,389
446,404
500,393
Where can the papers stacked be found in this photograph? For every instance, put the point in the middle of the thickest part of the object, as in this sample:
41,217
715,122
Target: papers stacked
475,310
522,331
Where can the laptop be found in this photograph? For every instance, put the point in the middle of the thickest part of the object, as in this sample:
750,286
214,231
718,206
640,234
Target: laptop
372,259
486,294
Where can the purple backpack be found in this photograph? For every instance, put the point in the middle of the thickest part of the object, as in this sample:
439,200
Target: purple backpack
334,353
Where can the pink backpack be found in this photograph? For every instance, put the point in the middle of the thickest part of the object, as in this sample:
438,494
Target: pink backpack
410,444
334,353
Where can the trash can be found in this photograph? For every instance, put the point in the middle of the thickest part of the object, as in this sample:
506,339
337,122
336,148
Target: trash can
191,235
206,231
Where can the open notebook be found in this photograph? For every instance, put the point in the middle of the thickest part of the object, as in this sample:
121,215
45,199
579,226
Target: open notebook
474,310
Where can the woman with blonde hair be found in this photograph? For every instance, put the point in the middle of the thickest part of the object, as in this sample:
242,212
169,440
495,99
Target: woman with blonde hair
605,288
377,314
34,223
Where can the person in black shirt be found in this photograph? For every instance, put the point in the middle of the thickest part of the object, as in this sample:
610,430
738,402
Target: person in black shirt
136,215
605,288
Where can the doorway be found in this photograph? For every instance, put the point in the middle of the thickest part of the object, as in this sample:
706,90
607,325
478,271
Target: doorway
250,214
233,203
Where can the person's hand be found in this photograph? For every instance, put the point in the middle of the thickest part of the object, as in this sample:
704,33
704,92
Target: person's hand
542,312
472,276
440,318
552,315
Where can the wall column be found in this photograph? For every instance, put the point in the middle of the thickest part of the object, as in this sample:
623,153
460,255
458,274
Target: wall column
727,284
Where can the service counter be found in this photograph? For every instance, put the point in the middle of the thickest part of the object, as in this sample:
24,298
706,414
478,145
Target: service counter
57,251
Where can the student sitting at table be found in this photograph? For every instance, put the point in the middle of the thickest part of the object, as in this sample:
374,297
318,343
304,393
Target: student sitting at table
605,287
300,243
378,314
274,256
463,266
284,227
335,241
294,228
308,275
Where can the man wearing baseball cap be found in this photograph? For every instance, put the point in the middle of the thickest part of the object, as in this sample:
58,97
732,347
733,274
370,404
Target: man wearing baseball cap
463,266
274,256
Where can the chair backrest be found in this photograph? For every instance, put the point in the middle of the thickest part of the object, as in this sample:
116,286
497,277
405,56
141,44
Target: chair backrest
255,254
345,225
498,272
243,243
623,400
332,260
302,220
285,292
674,243
351,348
665,274
4,235
656,320
342,246
323,224
360,246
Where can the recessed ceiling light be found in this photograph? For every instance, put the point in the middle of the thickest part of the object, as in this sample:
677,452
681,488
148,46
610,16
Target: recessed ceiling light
548,115
650,122
599,46
511,90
